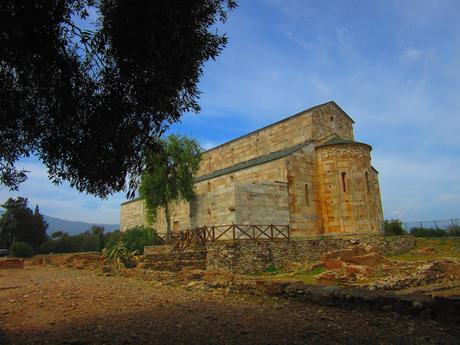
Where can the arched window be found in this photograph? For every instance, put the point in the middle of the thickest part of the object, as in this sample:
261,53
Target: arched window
307,201
344,185
367,182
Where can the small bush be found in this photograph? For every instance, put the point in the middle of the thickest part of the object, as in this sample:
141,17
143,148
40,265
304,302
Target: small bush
21,250
272,269
51,246
121,256
453,230
393,227
138,237
427,232
111,239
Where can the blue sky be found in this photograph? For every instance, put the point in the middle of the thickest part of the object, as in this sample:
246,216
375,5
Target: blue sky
393,66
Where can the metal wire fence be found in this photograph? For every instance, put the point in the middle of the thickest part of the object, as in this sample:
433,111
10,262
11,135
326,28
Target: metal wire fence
443,224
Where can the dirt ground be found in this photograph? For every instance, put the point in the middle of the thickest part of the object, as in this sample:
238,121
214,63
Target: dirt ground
45,305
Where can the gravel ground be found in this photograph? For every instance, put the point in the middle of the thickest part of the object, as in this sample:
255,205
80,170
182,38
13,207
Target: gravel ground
43,305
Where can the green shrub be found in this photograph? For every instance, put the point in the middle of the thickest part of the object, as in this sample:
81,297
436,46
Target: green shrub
272,269
453,230
393,227
21,250
111,239
51,246
427,232
121,256
61,242
138,237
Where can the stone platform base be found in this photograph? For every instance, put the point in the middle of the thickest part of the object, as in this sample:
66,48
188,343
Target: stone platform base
256,256
250,256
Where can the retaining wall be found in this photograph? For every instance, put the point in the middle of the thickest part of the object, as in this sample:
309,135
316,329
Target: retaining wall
251,256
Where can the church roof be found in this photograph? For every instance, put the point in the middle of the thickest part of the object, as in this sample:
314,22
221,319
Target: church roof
246,164
287,119
253,162
341,141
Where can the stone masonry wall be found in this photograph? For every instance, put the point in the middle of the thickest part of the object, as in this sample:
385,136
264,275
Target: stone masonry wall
132,214
348,199
329,120
251,256
305,216
315,123
262,203
214,207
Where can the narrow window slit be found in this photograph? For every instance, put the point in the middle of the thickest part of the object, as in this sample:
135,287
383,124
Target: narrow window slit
307,202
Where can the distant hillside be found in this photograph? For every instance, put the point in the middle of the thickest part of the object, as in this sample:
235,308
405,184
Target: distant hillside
72,227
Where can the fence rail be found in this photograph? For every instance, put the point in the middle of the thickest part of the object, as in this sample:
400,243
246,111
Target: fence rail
233,232
442,224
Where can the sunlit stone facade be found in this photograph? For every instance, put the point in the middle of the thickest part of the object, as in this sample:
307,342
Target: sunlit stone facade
305,170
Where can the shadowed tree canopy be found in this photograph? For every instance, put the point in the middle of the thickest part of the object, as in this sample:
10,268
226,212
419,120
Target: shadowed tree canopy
168,176
89,100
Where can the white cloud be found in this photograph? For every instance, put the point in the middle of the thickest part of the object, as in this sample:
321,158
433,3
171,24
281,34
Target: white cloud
415,187
344,45
62,201
303,43
413,55
292,9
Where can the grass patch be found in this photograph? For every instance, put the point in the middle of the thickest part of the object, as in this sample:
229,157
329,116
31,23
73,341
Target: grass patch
442,248
272,269
308,277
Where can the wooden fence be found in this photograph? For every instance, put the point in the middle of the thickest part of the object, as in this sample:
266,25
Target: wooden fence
232,232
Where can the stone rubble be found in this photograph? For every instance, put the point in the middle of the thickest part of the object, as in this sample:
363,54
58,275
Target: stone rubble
11,263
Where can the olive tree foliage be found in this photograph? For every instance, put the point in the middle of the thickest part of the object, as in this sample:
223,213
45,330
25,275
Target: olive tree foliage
168,177
86,84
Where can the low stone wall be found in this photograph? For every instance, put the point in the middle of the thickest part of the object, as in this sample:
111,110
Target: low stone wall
427,307
76,260
251,256
160,249
167,248
11,263
174,262
356,298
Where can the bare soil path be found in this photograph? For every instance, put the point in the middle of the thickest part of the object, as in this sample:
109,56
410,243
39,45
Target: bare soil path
42,305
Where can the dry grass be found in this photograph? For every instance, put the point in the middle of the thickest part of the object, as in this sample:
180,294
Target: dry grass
441,248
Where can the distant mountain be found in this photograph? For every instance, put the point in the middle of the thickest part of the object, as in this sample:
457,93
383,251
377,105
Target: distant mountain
72,227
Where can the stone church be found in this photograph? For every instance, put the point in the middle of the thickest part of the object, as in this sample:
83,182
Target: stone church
305,170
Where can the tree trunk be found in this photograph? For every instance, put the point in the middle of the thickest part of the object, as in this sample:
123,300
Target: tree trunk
168,225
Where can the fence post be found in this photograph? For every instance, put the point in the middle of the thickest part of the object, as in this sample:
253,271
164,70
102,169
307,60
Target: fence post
234,231
436,225
271,231
452,221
